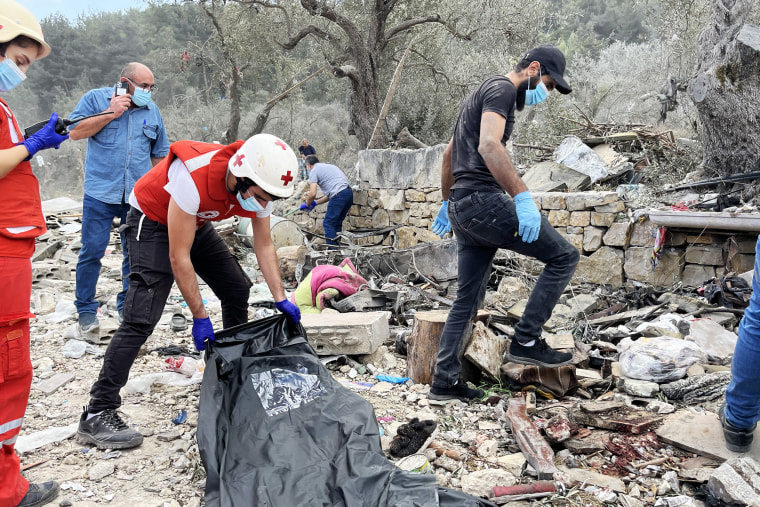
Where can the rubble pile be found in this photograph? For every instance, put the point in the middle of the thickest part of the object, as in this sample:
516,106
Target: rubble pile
632,422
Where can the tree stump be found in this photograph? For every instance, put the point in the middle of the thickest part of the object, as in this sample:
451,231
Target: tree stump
423,343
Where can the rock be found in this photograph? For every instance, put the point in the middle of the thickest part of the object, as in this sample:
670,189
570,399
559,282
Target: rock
100,470
488,448
714,339
481,482
559,428
605,266
737,481
51,385
168,436
642,388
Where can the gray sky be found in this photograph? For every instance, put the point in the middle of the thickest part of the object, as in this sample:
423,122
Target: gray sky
73,8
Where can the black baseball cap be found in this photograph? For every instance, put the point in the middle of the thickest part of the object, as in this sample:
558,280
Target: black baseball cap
552,62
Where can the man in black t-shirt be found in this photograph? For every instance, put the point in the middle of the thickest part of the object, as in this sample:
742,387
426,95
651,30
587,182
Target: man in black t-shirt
475,174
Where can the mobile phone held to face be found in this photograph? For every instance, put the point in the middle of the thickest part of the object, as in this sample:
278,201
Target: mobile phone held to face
122,88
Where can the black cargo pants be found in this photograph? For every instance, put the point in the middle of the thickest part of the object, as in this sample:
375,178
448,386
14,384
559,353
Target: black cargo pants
150,282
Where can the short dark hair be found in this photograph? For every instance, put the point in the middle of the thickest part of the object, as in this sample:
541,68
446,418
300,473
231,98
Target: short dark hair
21,40
312,159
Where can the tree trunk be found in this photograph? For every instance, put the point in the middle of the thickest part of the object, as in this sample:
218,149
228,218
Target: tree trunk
726,89
423,343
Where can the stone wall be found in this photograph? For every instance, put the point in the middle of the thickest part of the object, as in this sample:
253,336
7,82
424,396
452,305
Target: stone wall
403,188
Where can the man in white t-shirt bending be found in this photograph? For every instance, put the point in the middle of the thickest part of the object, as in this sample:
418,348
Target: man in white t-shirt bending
338,193
170,238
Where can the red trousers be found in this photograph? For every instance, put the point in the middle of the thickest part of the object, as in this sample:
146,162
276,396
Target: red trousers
15,372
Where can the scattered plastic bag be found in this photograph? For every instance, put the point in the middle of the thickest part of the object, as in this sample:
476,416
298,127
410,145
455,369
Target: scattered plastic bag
659,359
74,349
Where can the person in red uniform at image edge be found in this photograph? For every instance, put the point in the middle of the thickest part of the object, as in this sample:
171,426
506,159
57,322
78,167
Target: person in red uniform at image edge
169,238
21,220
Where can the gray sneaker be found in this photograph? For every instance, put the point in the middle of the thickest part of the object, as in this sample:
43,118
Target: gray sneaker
40,493
107,431
88,323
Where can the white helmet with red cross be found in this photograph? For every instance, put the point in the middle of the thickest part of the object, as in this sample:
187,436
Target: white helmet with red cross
269,162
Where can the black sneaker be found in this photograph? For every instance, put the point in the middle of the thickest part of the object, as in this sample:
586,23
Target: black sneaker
39,494
459,391
737,440
539,354
107,431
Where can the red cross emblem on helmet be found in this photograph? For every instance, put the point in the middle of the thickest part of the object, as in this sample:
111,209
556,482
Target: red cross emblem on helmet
269,162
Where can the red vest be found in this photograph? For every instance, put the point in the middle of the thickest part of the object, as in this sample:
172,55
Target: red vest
207,164
19,195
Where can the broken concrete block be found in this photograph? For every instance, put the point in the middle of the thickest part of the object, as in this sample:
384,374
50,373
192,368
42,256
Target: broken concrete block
549,176
574,239
583,303
511,290
642,234
642,388
346,333
737,481
485,350
700,433
480,482
709,255
512,463
718,342
573,153
52,384
591,442
587,200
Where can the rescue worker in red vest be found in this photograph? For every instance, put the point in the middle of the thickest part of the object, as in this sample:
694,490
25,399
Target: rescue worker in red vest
21,220
170,239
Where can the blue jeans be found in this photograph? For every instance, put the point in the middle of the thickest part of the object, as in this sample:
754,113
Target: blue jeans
743,393
337,208
97,218
482,223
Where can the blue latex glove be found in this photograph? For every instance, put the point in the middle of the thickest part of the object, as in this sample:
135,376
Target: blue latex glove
44,138
289,309
528,217
309,207
202,331
441,224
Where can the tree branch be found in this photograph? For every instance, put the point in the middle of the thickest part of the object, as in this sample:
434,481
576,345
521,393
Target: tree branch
316,8
409,23
316,32
269,5
348,71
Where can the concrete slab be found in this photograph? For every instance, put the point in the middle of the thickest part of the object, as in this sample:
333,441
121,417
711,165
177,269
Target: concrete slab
52,384
346,333
701,434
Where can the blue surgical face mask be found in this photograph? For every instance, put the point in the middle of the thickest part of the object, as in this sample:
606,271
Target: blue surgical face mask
10,75
140,97
537,94
250,204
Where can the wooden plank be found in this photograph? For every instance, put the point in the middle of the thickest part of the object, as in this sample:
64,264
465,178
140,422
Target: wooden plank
536,450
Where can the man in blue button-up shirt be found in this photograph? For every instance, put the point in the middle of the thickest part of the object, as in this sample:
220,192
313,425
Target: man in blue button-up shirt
121,147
